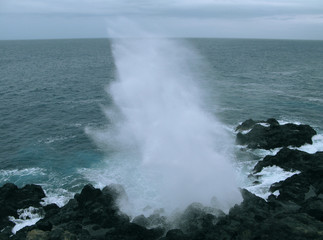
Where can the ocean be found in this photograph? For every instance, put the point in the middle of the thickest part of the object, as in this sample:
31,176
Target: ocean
151,115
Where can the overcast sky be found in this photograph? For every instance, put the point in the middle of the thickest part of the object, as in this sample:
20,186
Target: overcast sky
281,19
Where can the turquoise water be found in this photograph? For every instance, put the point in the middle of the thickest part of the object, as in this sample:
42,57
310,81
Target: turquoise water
52,90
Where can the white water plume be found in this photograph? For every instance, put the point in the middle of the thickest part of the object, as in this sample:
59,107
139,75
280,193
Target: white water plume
167,151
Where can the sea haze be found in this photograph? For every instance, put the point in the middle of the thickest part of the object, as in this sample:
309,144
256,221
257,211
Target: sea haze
57,95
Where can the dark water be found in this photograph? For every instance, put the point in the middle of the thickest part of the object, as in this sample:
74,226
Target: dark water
267,78
51,90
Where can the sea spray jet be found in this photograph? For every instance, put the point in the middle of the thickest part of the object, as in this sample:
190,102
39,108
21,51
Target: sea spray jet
164,148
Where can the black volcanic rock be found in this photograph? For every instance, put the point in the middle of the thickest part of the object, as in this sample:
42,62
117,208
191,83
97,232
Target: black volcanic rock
291,160
295,213
255,218
197,217
313,207
131,231
249,124
13,198
275,135
141,220
175,234
18,198
91,214
300,187
246,125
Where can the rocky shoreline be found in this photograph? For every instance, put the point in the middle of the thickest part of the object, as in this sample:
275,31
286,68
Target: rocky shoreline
296,213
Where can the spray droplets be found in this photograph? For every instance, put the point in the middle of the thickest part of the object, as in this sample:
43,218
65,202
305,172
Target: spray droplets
178,152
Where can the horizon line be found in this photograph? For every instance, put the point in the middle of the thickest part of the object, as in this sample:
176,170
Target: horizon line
223,38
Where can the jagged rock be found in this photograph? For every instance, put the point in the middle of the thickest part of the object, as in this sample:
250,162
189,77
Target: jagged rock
13,198
44,225
249,124
303,190
299,187
157,220
291,160
59,233
96,232
50,210
91,214
275,135
246,125
88,195
313,207
141,220
175,234
289,226
37,235
255,218
196,217
6,231
296,213
133,231
116,191
251,207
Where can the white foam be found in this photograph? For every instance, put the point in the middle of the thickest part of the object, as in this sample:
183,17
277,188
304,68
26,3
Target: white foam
59,196
50,140
7,175
263,152
26,217
229,129
284,122
246,131
140,193
312,148
264,124
260,186
266,178
312,99
75,125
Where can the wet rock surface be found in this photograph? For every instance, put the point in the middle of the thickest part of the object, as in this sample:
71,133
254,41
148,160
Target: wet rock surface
13,198
296,213
270,134
92,214
292,160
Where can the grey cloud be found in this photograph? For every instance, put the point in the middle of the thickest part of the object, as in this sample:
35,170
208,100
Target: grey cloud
176,8
170,17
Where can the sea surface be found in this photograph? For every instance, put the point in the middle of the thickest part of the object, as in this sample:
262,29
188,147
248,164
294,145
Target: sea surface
54,94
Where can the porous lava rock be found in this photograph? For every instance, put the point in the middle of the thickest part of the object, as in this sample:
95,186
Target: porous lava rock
292,160
270,134
91,214
256,218
295,213
13,198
